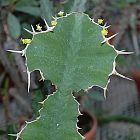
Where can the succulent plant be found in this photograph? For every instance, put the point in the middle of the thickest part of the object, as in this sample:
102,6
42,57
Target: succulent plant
74,54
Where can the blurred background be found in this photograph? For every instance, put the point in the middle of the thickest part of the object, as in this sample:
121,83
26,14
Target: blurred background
118,116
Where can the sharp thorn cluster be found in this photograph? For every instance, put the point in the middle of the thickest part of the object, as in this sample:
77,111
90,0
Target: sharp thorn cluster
107,39
28,31
42,77
46,23
123,52
33,29
20,52
29,80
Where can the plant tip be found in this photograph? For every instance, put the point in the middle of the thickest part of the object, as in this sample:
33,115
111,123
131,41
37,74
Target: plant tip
26,41
104,32
38,27
61,14
100,21
53,22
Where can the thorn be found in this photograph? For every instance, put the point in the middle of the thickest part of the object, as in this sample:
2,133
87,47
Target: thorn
33,29
14,51
28,31
17,137
92,20
105,92
79,128
42,77
46,23
48,27
55,18
23,52
105,89
20,52
122,52
29,80
105,25
41,102
14,135
122,76
67,14
107,39
114,66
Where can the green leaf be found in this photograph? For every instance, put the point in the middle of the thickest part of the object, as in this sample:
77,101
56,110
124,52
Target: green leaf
32,10
13,26
7,2
97,96
46,8
75,6
38,97
91,96
26,3
121,60
24,33
72,58
11,130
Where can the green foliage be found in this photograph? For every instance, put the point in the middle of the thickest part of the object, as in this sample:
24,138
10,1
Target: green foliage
27,3
75,6
37,97
35,11
10,130
42,9
26,12
14,26
46,8
73,58
6,2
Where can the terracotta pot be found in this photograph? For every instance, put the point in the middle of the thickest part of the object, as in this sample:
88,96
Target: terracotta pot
136,77
110,33
91,134
88,125
88,120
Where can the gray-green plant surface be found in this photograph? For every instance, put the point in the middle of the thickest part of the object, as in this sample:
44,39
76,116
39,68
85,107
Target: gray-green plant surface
72,56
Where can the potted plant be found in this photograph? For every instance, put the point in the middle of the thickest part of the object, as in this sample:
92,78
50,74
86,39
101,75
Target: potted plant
74,54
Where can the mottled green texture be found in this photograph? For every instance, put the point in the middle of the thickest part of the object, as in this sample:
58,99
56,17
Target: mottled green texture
57,121
13,26
73,58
